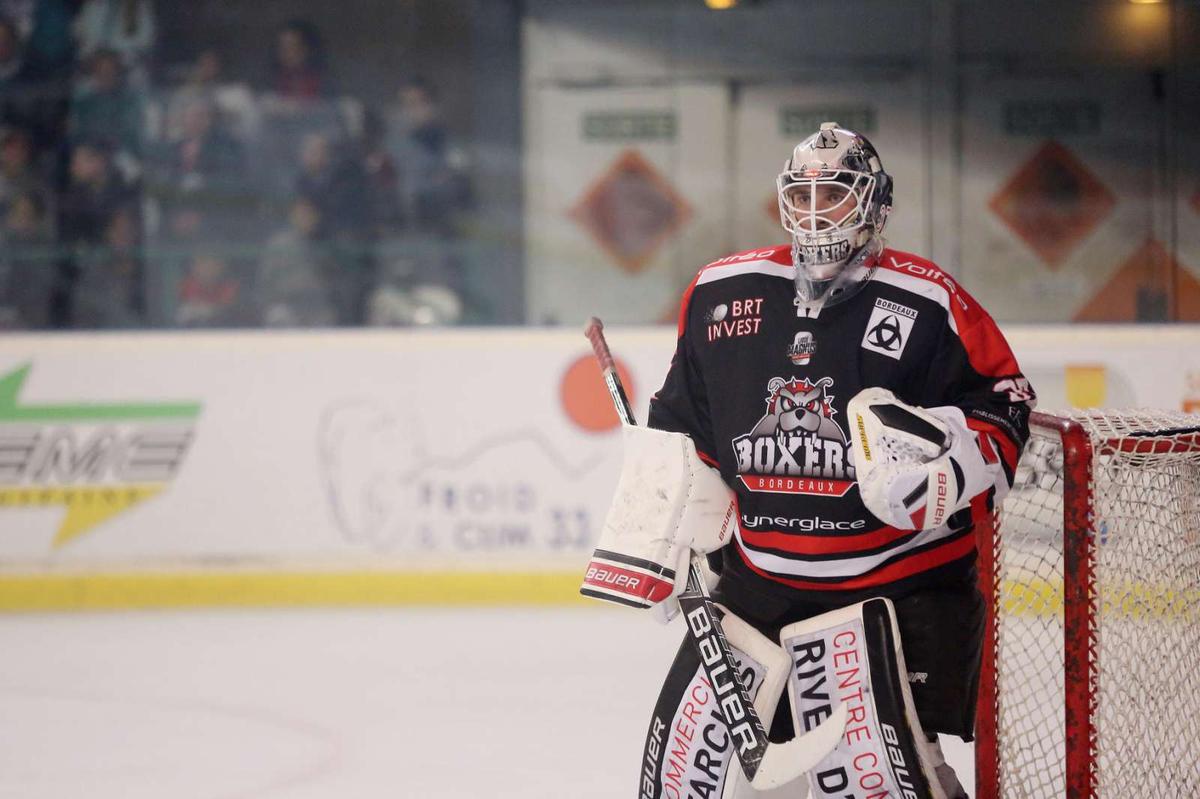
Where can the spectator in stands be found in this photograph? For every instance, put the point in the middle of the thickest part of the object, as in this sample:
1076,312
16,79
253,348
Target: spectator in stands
208,295
28,265
106,108
337,184
94,192
205,153
109,292
204,180
123,27
10,53
382,176
433,189
202,82
18,169
433,180
295,285
35,67
20,14
49,50
298,62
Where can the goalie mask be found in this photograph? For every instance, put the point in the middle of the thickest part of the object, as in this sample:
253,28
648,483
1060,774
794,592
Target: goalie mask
834,198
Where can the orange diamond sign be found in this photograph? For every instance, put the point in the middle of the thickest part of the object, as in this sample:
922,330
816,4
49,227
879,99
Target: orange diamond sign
1053,202
1151,286
631,210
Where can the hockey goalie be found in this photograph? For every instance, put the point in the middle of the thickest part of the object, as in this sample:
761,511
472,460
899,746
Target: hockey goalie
838,419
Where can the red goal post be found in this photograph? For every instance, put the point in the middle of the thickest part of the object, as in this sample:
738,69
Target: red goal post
1091,678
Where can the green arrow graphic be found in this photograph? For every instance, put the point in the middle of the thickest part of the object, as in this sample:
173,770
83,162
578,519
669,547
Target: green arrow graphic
10,411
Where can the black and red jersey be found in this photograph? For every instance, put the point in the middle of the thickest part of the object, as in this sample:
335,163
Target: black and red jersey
762,388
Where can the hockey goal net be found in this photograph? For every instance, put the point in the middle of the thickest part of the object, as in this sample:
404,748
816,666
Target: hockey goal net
1091,680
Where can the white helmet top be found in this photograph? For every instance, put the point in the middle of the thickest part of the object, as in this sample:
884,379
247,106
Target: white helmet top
834,198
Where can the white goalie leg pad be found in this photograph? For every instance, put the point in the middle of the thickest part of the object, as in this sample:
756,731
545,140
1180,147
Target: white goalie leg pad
689,751
668,503
852,656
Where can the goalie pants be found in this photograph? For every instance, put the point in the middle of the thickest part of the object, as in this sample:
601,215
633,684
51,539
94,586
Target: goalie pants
941,634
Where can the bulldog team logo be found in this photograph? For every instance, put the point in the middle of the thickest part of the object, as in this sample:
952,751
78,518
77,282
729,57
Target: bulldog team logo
796,447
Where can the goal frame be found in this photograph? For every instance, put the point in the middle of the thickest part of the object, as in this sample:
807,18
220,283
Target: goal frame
1081,603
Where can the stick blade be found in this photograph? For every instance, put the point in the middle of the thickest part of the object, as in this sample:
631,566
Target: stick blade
784,762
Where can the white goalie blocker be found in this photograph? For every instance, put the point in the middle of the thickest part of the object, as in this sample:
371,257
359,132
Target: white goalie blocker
916,466
668,504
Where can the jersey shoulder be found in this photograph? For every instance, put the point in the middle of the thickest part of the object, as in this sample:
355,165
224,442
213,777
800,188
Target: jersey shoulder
774,261
922,277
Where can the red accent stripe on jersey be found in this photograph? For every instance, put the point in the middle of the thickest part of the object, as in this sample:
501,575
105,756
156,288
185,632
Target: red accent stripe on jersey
805,544
1008,448
685,302
898,570
987,351
811,486
709,459
987,447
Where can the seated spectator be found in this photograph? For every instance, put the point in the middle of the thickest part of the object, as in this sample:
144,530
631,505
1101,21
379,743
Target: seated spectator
208,295
297,272
205,153
28,265
94,192
337,184
104,107
382,177
19,174
232,102
201,178
298,63
123,27
109,292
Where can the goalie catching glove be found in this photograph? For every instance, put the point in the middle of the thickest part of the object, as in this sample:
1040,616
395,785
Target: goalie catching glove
668,504
915,466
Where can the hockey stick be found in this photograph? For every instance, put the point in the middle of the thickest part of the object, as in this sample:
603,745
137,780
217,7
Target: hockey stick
766,765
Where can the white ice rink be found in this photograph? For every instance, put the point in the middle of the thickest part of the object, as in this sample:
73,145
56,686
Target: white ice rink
322,704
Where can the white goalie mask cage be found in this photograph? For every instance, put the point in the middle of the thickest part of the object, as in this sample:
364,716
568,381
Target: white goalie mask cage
834,199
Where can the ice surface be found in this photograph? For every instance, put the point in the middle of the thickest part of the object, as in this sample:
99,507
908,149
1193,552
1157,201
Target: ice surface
339,703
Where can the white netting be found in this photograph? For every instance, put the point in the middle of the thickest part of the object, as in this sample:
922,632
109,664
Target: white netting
1145,532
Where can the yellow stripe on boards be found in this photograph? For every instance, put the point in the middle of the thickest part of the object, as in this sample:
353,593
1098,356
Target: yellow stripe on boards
134,590
1037,597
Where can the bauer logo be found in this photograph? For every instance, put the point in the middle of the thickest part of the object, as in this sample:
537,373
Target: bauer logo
94,460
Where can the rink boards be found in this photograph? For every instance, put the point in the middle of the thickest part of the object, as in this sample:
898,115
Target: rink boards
369,468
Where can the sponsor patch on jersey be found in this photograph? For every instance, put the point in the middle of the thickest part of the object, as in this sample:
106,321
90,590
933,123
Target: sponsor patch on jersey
742,317
803,347
796,447
889,328
804,525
